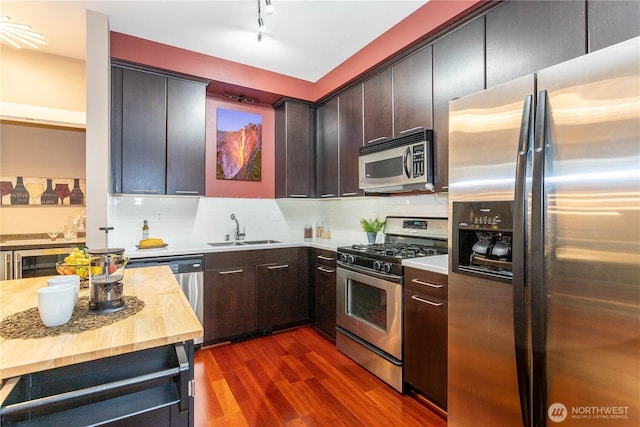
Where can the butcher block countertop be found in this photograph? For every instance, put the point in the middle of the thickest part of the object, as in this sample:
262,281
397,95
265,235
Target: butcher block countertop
165,319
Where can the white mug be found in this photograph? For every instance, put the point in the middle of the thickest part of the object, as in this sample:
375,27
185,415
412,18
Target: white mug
55,304
73,279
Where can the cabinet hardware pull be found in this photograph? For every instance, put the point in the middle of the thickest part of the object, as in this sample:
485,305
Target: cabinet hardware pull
326,270
231,272
411,130
277,267
349,194
298,195
326,258
417,298
143,191
377,139
187,192
328,195
431,285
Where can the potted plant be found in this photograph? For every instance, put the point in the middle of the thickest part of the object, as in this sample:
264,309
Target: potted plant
371,227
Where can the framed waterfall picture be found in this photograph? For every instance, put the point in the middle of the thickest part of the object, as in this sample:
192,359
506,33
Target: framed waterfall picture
238,145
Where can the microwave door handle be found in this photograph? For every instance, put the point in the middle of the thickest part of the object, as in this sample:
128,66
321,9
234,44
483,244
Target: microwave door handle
406,161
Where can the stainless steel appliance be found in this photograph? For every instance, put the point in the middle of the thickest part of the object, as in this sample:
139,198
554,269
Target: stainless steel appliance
189,272
369,293
6,265
396,165
37,262
544,297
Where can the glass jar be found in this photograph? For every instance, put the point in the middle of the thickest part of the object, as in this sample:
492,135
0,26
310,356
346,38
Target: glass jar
319,228
326,232
308,231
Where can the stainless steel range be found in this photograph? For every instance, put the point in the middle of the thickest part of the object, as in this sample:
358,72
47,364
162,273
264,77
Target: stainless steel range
369,293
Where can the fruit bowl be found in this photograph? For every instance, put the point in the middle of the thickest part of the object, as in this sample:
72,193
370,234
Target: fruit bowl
66,269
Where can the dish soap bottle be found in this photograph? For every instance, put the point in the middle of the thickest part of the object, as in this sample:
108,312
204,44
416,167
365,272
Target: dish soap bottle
145,230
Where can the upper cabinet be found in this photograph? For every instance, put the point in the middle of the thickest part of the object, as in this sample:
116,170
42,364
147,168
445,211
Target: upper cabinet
295,160
611,22
526,36
350,139
412,92
458,70
327,149
157,133
378,107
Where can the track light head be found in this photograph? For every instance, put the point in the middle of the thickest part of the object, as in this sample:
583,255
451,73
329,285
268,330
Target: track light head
269,9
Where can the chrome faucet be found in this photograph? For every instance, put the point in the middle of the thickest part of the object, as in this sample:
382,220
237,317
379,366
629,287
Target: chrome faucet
239,235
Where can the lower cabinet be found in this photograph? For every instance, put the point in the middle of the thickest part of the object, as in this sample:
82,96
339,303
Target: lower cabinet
280,295
425,334
325,291
229,297
252,292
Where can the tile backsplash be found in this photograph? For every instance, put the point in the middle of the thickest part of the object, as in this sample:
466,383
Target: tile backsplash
207,219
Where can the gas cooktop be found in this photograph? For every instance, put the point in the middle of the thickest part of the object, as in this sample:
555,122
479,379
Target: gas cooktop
392,250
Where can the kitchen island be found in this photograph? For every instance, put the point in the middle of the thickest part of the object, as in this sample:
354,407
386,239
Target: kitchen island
140,365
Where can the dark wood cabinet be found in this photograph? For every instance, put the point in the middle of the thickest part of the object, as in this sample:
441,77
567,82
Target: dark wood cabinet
611,22
458,70
185,137
325,291
327,149
157,133
425,334
350,139
525,36
144,125
412,92
378,107
294,150
255,291
229,302
281,298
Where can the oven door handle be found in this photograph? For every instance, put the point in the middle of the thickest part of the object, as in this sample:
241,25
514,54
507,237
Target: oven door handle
388,277
417,298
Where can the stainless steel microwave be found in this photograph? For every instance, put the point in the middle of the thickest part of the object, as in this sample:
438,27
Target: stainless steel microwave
400,164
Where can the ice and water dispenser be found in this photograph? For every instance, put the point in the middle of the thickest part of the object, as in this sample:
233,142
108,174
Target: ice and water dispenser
482,239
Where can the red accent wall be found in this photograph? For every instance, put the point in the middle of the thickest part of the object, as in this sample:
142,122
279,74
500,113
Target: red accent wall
424,21
264,189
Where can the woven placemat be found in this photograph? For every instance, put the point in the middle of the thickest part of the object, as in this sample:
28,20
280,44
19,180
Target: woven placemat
27,323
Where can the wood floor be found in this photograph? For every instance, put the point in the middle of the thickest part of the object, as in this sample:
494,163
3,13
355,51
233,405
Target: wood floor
296,378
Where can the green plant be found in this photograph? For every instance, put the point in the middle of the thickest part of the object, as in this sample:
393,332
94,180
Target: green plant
371,225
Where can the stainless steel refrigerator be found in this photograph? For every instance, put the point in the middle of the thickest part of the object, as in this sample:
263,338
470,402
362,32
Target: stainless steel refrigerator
544,274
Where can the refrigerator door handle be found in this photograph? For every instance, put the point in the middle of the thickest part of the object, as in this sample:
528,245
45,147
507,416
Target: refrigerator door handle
519,247
536,261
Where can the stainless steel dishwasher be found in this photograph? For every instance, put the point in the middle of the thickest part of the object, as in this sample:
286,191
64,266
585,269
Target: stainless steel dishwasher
188,271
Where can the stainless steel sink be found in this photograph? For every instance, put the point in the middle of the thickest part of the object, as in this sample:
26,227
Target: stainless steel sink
260,242
243,243
234,243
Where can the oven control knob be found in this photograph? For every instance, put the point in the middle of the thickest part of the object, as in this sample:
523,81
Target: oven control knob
387,267
350,259
377,265
343,257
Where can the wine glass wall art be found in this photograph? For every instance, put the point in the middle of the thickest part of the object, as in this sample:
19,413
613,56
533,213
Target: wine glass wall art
239,145
33,191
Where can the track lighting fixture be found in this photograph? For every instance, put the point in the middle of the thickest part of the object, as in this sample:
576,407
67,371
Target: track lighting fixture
269,9
240,98
19,34
261,27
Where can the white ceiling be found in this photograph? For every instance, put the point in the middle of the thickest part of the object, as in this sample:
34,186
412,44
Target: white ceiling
304,38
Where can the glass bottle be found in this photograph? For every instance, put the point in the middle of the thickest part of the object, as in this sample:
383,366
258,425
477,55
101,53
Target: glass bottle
49,197
145,230
77,196
19,194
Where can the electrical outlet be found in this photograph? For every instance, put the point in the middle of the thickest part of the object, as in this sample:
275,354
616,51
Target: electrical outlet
275,216
159,216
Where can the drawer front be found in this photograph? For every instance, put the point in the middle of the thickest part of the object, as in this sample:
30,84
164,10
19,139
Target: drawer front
325,258
426,283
